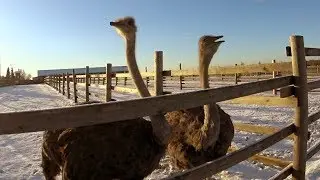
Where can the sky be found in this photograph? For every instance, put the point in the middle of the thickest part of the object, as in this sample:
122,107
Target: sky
54,34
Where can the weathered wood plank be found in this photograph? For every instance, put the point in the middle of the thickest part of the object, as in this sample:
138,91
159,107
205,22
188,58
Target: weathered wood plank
74,79
314,117
299,71
87,83
313,85
284,173
108,84
265,101
181,80
247,69
68,85
313,150
158,83
220,164
257,129
63,83
274,74
19,122
266,160
283,67
59,82
308,51
287,91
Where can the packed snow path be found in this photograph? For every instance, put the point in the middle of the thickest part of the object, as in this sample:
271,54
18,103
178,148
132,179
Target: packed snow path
20,155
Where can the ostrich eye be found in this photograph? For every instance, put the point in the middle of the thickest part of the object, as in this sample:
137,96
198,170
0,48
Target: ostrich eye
130,22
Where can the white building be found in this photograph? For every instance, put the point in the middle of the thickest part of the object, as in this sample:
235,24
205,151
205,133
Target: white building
92,70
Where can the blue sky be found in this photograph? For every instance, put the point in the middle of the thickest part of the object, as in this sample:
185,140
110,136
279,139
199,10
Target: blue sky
46,34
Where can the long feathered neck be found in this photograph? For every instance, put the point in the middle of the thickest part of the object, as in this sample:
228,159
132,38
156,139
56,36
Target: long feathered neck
133,67
211,122
203,70
160,126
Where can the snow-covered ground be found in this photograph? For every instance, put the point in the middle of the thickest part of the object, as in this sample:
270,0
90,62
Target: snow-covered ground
20,156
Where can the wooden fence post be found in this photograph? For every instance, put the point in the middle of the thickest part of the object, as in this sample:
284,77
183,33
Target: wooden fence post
59,83
63,83
158,78
147,81
274,76
301,111
50,81
181,81
87,82
116,81
236,76
54,81
180,77
68,85
98,80
103,80
146,69
74,79
125,81
109,82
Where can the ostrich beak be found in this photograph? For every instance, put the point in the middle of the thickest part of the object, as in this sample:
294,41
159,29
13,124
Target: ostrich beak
115,24
219,37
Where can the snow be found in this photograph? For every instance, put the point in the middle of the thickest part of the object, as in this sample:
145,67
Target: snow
20,153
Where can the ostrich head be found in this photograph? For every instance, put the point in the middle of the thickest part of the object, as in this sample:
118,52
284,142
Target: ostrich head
125,27
208,46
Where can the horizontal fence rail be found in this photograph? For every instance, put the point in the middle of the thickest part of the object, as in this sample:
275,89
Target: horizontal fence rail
284,173
313,150
233,158
313,85
253,70
19,122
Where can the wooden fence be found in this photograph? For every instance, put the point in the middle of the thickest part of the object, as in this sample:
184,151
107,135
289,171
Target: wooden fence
294,85
123,82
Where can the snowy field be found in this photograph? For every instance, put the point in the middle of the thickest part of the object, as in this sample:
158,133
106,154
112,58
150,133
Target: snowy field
20,155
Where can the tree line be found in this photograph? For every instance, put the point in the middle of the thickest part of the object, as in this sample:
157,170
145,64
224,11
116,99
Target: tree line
17,75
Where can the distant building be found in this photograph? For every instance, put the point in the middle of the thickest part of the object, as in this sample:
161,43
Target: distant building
17,75
92,70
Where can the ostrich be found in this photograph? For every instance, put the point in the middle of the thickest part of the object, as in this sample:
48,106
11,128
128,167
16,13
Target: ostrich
200,134
129,149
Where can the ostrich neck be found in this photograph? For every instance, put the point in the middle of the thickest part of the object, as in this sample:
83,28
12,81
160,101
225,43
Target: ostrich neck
160,126
204,72
211,123
133,68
